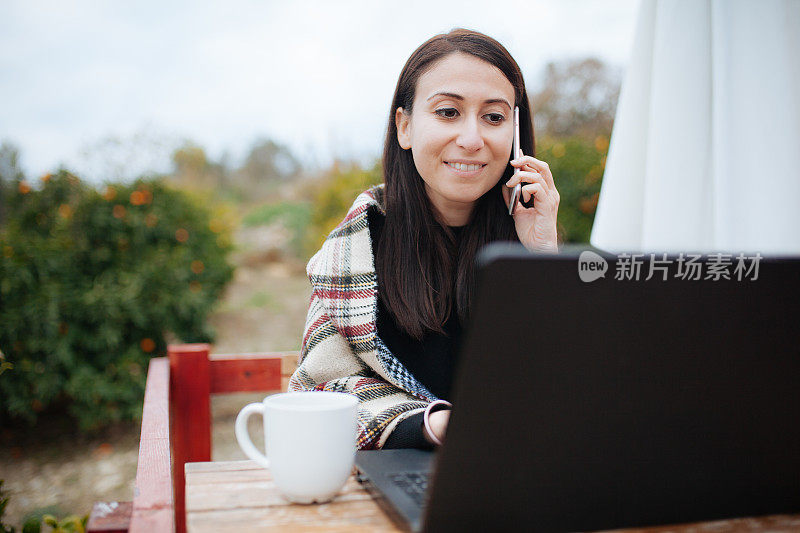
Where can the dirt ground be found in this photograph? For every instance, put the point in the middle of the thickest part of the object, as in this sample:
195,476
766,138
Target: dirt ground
262,310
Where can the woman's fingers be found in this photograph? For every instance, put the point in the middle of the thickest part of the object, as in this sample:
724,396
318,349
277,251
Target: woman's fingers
541,195
533,189
526,176
537,165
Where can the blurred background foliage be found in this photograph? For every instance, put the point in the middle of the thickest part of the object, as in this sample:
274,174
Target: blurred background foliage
334,197
96,280
577,165
574,112
92,283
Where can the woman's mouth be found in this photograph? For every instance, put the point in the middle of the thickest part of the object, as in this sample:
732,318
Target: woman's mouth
465,169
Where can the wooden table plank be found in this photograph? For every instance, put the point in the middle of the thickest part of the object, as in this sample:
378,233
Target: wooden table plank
152,493
763,524
241,496
222,466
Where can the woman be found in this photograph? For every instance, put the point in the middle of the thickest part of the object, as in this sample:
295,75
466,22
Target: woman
392,284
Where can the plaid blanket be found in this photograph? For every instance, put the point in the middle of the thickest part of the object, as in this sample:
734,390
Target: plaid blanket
341,350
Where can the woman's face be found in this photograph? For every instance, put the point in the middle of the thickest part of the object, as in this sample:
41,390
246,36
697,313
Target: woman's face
460,132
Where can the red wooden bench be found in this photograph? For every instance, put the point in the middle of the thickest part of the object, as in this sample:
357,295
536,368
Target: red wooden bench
176,429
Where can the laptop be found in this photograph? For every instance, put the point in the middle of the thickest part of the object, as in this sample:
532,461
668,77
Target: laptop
590,397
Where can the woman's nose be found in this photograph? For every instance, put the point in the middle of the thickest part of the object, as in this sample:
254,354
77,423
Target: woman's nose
470,138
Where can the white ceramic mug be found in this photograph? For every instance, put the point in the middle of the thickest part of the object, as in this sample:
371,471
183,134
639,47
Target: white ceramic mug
310,440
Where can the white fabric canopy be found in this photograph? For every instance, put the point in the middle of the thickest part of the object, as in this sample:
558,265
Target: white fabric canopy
705,150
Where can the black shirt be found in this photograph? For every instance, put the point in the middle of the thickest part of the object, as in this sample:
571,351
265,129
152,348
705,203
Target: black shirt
431,360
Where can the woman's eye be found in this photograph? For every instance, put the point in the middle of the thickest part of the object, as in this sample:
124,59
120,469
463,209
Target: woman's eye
495,118
447,112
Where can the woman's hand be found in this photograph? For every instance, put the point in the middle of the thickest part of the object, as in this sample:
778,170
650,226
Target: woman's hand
536,226
438,421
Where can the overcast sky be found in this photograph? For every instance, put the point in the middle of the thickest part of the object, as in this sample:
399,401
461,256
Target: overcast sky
317,76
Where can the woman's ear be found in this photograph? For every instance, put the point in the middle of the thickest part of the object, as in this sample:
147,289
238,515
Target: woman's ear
403,122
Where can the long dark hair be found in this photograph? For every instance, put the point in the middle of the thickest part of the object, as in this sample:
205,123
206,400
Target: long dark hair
420,267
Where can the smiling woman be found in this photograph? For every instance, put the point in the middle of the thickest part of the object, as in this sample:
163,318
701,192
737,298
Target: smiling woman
393,283
459,135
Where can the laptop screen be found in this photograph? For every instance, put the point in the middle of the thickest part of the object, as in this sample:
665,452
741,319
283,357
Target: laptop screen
590,396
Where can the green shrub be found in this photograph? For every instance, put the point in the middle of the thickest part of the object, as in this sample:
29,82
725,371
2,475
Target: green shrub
69,524
91,283
334,196
3,503
577,165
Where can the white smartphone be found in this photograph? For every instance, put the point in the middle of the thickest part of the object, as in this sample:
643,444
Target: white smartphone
512,204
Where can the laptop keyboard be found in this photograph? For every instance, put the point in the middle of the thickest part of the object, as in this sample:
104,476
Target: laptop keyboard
415,484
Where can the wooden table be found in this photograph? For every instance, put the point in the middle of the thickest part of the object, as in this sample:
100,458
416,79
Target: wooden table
240,496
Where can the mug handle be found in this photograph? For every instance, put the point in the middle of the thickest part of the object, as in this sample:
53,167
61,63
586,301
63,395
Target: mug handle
243,436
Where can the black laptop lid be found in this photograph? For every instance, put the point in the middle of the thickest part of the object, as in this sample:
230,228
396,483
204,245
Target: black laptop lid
622,402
